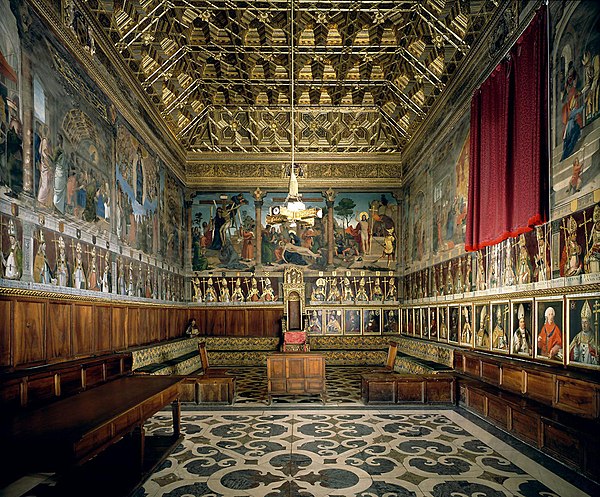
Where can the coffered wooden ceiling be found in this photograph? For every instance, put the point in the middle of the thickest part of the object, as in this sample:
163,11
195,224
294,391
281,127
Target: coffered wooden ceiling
366,73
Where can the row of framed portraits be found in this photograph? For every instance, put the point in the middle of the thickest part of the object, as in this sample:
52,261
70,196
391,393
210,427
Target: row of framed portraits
563,329
353,321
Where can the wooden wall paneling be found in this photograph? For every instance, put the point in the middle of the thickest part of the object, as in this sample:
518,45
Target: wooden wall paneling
39,388
512,378
562,442
539,386
477,401
59,334
144,325
578,397
161,323
255,322
29,332
472,365
200,316
120,317
526,424
498,411
133,326
235,323
103,328
215,322
490,371
458,361
5,332
182,314
272,322
84,331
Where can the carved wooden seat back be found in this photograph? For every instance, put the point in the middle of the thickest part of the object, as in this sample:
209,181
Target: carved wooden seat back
295,336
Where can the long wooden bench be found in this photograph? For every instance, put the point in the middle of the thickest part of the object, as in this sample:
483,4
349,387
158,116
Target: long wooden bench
554,411
58,417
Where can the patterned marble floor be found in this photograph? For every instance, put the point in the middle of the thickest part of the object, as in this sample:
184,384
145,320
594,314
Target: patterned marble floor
298,447
333,452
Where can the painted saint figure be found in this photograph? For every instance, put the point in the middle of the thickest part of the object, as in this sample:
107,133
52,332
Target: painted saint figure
584,346
60,175
549,342
41,267
521,336
13,262
499,338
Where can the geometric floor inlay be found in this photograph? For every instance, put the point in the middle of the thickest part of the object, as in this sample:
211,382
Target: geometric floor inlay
334,452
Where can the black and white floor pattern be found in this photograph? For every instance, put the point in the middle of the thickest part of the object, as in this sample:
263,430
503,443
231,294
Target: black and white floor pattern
336,452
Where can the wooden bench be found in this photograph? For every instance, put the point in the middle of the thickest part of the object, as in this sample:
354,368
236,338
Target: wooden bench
58,424
212,385
400,388
551,409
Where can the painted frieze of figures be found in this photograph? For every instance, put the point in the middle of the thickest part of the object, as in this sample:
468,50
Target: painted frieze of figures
354,289
214,289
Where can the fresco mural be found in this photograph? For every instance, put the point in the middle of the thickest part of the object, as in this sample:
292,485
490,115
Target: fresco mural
575,102
365,230
223,227
72,140
137,187
301,244
11,129
172,220
450,178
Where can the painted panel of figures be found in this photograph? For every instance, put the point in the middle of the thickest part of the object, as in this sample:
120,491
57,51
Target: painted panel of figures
522,326
575,59
72,138
450,177
223,231
550,329
584,331
11,251
365,230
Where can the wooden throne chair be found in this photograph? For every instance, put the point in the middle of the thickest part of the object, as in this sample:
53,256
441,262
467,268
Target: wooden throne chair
294,323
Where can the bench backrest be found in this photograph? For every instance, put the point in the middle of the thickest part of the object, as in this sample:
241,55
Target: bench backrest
203,355
33,387
391,357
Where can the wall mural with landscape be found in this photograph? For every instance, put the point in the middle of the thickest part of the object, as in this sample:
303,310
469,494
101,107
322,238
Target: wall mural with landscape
104,202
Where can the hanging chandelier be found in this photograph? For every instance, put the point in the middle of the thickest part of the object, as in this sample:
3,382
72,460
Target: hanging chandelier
294,211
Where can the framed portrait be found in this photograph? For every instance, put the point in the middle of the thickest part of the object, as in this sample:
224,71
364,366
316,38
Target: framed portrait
315,322
500,326
521,340
390,321
404,321
583,322
352,322
454,323
466,325
417,321
410,321
442,313
371,321
333,322
482,326
550,326
433,323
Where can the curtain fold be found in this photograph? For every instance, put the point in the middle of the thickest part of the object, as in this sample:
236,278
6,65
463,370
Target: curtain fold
508,167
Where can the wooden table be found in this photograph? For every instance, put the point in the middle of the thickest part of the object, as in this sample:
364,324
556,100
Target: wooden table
296,374
68,432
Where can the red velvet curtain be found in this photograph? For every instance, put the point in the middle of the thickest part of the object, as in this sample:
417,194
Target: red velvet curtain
508,167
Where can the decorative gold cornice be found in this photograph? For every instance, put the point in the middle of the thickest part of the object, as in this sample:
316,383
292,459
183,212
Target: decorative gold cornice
67,297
